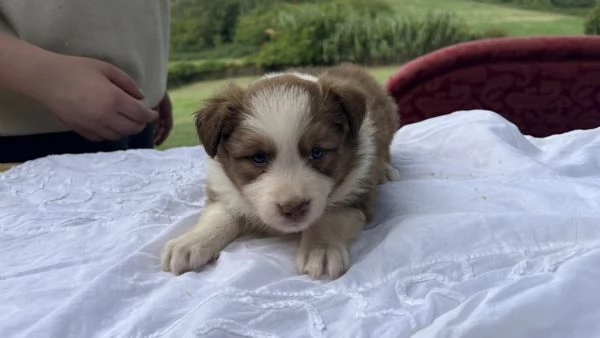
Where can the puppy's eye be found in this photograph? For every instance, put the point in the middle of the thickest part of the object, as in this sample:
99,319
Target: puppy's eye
316,153
259,158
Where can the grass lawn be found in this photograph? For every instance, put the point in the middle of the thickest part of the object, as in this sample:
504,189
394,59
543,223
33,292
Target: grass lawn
515,21
187,99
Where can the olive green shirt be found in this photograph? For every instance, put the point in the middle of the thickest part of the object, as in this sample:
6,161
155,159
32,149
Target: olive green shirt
133,35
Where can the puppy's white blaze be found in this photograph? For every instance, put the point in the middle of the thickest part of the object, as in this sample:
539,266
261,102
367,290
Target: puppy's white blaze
307,77
352,185
303,76
281,113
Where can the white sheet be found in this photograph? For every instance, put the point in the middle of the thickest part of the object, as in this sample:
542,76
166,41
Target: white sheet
488,234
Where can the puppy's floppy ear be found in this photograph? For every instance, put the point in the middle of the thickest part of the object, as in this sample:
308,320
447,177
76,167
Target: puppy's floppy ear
349,100
218,116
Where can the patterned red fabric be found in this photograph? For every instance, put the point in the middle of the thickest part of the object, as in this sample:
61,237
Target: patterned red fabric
545,85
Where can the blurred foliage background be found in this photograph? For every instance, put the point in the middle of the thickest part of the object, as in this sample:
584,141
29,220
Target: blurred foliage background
215,40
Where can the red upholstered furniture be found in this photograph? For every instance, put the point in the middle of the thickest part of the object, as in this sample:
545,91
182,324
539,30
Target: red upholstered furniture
545,85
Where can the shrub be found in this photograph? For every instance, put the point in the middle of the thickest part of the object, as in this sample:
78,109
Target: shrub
592,21
226,51
256,27
185,72
198,25
436,30
261,24
311,35
181,73
573,3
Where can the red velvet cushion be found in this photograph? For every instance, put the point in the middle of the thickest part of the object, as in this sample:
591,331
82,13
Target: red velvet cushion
545,85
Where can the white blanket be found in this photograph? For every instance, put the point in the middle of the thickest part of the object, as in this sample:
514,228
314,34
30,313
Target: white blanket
488,234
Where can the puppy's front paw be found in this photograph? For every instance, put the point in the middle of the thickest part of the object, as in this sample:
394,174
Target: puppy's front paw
390,174
188,252
325,259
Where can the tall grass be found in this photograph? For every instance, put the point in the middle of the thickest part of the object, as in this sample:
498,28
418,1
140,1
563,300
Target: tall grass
325,33
392,39
329,34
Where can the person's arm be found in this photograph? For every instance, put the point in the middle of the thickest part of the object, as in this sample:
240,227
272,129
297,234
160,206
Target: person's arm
94,98
18,60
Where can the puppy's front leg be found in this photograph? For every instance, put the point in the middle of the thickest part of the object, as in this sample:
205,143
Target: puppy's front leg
190,251
324,246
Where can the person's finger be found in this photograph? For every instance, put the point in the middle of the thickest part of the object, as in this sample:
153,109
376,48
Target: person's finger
120,79
160,136
84,132
136,111
96,135
89,135
125,126
158,130
166,119
80,130
167,110
168,123
108,133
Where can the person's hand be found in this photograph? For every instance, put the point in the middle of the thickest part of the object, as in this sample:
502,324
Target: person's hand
93,98
164,124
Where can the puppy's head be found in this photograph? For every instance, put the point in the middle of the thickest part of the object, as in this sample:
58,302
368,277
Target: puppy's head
286,142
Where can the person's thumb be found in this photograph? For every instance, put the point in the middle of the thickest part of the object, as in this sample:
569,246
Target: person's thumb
120,79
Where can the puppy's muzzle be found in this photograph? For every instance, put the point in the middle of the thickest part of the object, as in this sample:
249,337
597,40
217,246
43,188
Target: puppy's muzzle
294,210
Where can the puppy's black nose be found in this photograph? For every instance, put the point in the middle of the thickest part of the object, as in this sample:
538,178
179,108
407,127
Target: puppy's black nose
295,209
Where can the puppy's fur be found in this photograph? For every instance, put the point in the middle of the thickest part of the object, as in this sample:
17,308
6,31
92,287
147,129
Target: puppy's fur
292,154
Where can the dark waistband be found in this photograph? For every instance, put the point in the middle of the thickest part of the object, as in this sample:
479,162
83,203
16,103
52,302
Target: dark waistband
18,149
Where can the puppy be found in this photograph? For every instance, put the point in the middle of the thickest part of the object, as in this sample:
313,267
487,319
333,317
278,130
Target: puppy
292,154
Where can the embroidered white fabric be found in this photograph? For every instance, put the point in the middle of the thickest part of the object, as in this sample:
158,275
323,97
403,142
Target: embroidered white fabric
489,233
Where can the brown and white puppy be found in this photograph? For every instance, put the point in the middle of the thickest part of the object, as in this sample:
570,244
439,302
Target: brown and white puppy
291,154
